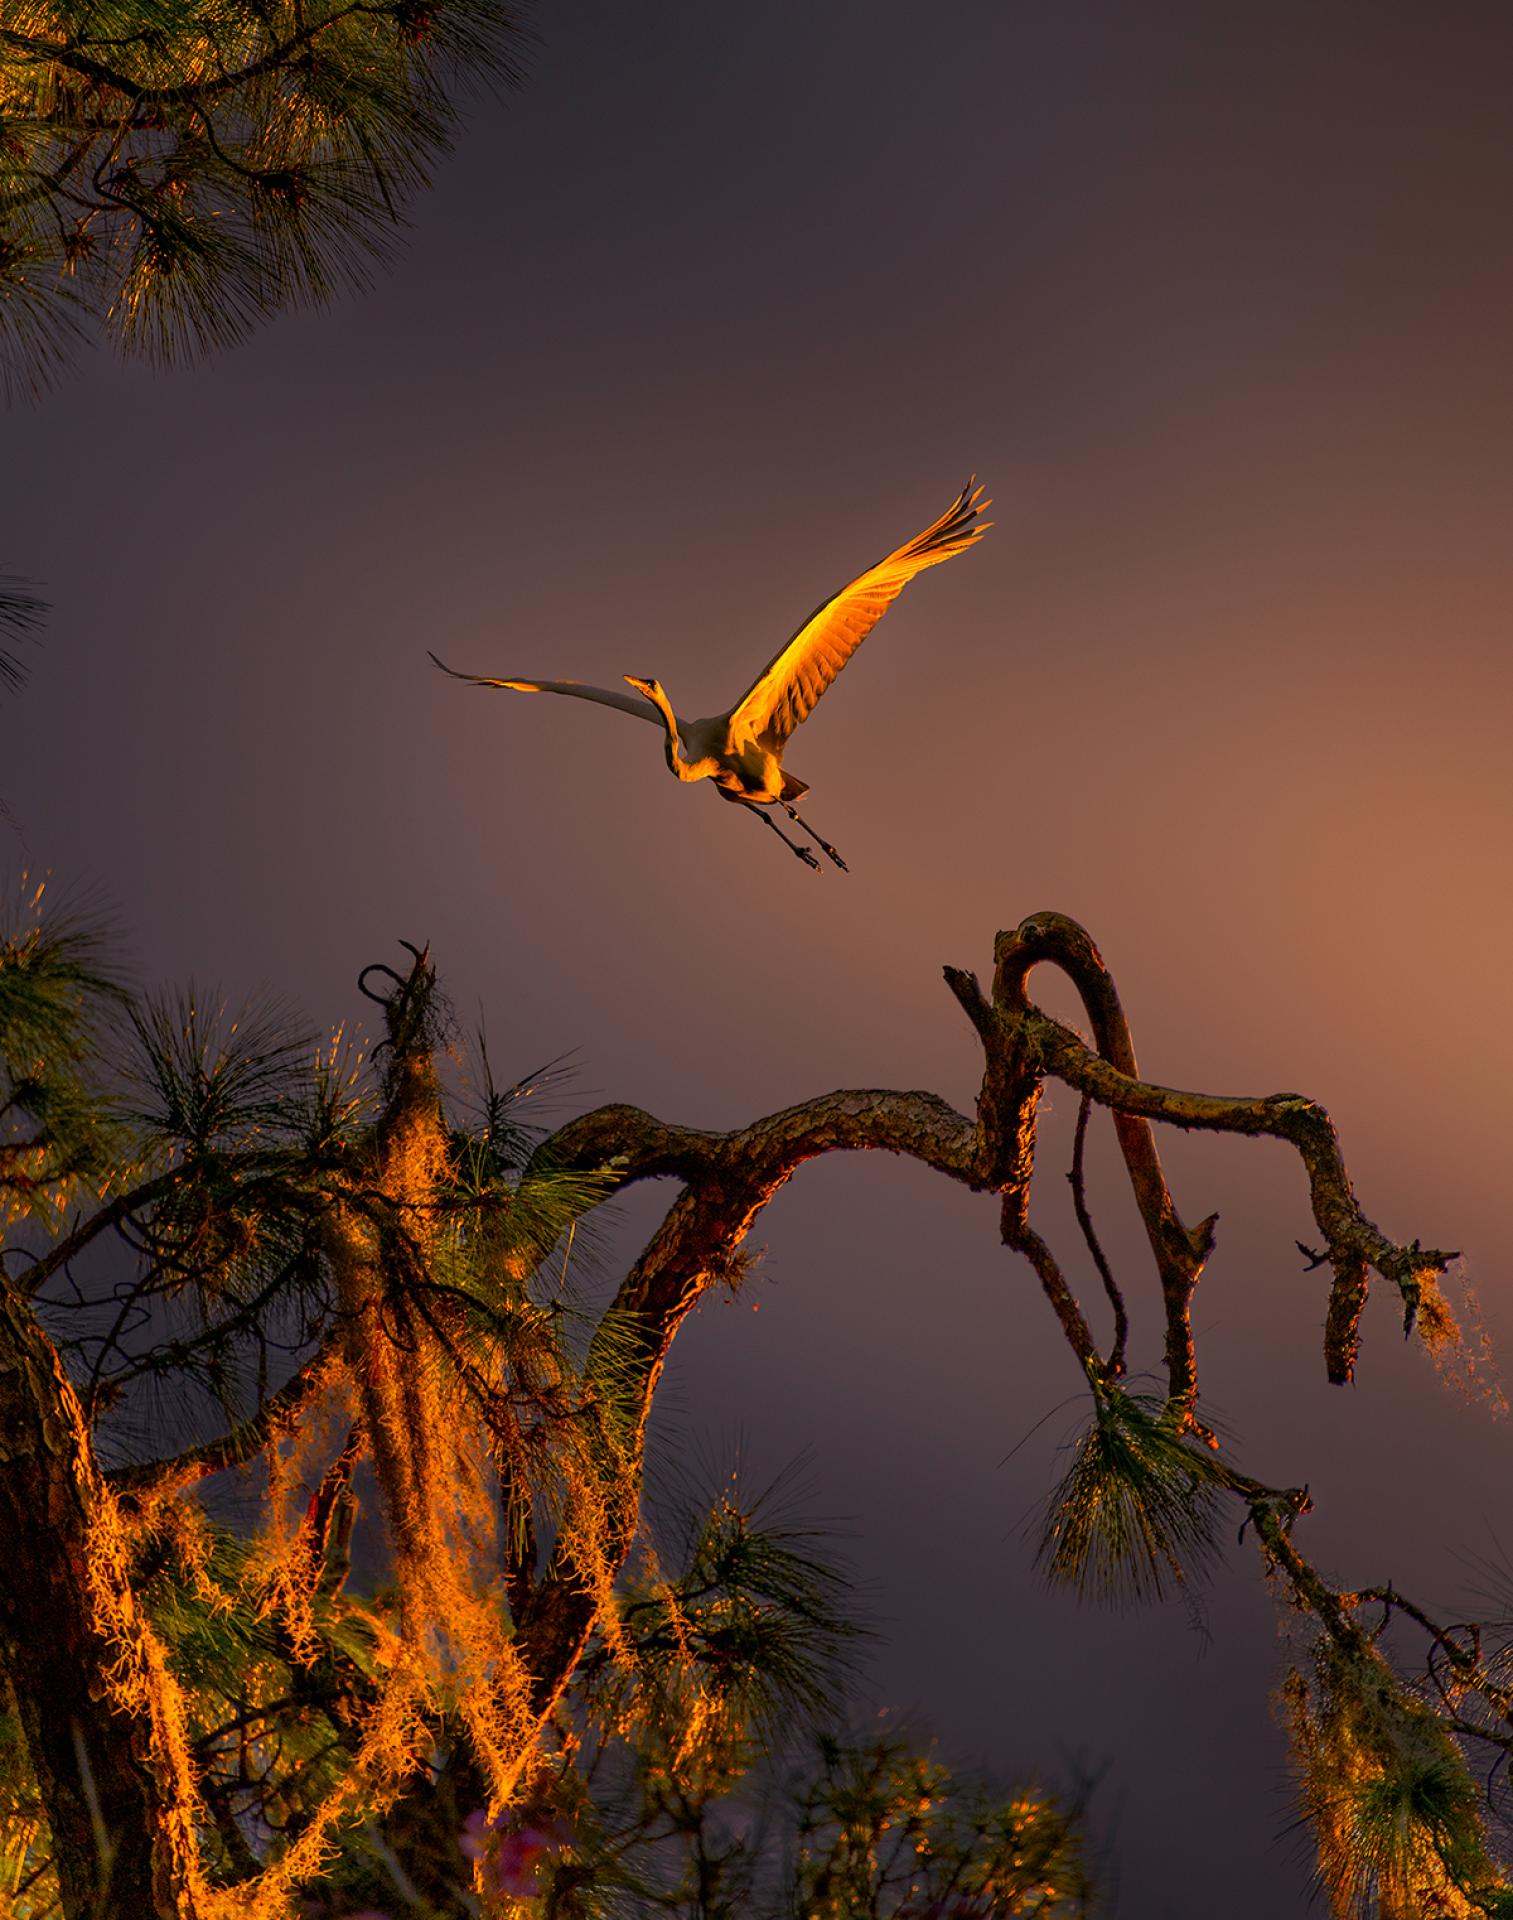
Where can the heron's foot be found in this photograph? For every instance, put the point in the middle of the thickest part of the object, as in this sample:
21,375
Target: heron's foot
818,838
823,844
806,856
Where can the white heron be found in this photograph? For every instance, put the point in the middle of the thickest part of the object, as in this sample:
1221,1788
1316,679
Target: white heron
742,750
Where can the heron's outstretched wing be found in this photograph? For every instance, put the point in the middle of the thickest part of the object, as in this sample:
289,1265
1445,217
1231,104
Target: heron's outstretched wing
788,688
606,696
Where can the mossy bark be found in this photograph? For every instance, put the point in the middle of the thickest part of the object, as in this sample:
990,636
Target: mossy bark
95,1773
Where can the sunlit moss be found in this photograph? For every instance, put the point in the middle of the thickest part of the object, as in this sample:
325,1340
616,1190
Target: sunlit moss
1462,1356
287,1564
143,1684
276,1180
1395,1812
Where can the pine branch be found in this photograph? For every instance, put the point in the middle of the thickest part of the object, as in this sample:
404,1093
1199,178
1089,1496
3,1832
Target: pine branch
244,1441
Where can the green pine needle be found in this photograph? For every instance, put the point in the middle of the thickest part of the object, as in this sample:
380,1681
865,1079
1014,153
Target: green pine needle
1135,1514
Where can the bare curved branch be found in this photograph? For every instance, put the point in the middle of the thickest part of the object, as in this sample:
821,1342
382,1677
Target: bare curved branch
243,1442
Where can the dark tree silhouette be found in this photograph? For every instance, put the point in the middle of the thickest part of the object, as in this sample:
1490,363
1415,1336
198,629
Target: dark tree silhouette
172,171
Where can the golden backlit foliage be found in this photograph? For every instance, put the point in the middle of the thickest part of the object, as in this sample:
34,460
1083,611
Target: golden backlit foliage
885,1829
293,1719
1397,1816
350,1276
1462,1355
264,1186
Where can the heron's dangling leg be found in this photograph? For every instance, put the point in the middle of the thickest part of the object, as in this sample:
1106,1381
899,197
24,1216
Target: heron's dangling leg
816,838
767,820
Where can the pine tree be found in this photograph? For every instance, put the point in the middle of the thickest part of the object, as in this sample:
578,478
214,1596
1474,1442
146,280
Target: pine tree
173,171
445,1668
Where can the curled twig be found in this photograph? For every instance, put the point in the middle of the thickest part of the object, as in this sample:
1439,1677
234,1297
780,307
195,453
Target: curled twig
1077,1178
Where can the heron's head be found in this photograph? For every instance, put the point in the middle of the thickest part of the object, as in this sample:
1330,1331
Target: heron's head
651,690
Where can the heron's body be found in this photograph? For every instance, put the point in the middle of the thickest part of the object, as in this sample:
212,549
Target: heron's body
735,759
742,750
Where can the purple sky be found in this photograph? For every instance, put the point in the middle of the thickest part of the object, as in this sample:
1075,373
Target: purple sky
728,302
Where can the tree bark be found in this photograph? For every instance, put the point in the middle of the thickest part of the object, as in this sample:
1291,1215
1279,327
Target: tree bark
65,1600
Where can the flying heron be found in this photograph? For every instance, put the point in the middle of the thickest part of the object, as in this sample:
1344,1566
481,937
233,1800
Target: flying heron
742,750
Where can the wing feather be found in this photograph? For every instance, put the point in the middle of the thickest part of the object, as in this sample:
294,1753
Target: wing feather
606,696
787,689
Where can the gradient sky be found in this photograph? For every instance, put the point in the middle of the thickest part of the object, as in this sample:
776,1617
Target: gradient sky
1218,302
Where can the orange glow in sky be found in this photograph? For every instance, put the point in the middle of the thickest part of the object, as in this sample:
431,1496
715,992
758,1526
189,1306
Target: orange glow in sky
1218,301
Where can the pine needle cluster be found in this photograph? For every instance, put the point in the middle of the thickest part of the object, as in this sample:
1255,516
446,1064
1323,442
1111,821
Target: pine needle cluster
21,614
176,170
1135,1513
59,993
884,1828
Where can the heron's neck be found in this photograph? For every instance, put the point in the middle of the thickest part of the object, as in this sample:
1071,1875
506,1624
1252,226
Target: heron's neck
676,758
